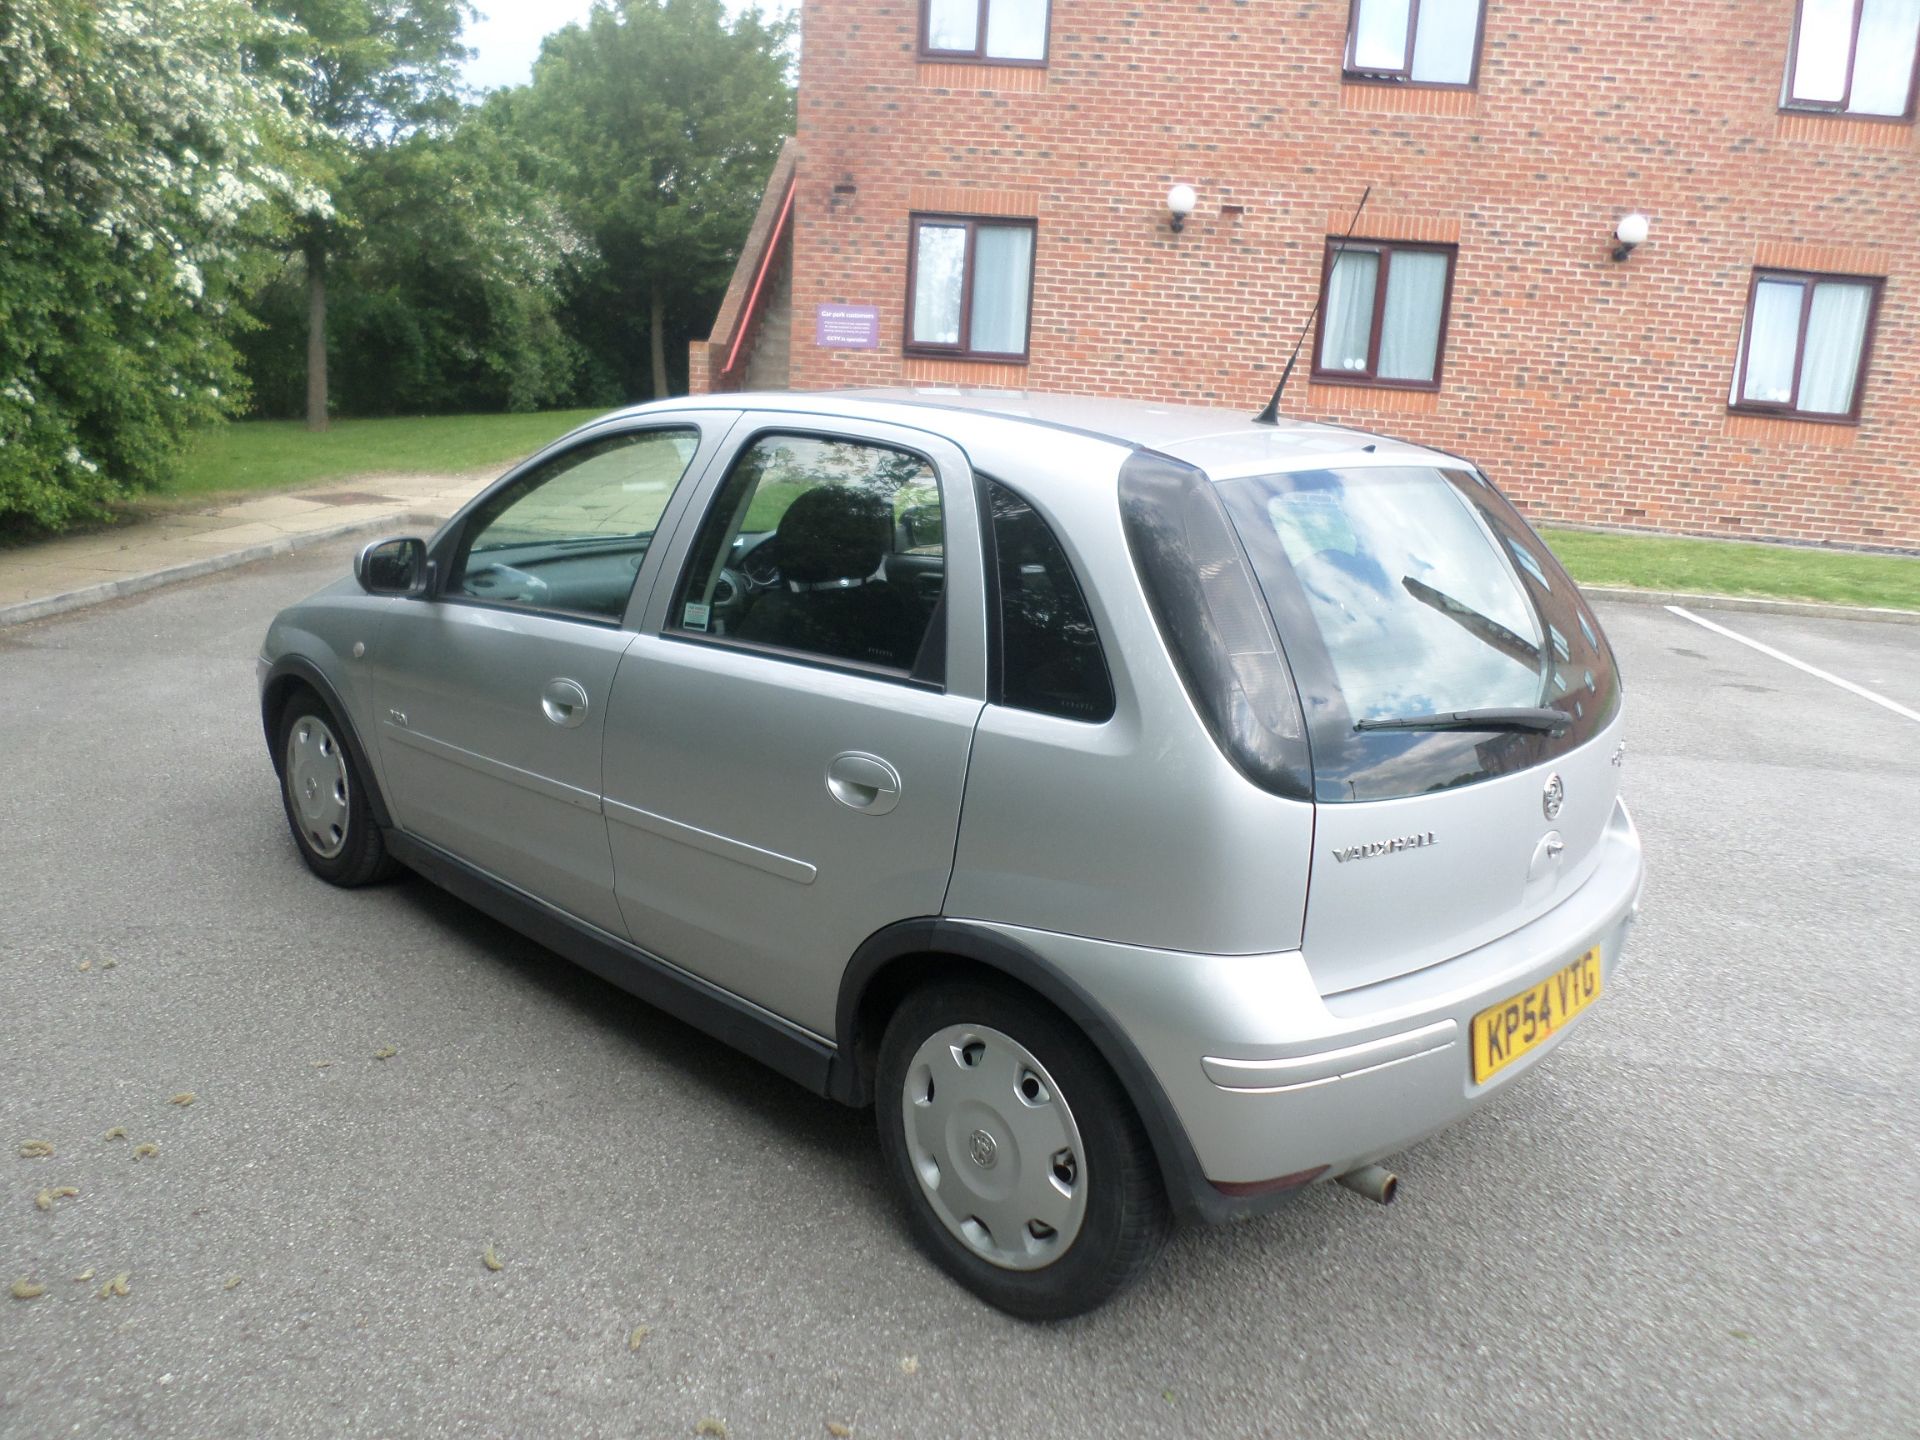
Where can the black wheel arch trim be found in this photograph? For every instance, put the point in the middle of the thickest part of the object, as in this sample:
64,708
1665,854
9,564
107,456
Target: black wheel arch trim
850,1078
299,668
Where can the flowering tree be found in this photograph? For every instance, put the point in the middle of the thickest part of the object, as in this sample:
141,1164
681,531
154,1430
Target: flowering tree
140,155
368,74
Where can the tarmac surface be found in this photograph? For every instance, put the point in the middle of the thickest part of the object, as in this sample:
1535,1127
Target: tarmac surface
1699,1217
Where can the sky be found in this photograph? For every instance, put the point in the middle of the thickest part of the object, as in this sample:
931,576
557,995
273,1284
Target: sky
509,32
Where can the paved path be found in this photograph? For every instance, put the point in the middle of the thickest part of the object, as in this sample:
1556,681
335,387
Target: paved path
67,573
1700,1217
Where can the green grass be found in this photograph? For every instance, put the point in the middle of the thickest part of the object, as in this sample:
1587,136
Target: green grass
1728,567
264,455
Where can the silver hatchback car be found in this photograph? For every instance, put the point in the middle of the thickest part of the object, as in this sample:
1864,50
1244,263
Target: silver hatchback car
1149,812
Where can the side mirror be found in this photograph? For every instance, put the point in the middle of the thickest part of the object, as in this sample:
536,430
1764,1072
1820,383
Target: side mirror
393,567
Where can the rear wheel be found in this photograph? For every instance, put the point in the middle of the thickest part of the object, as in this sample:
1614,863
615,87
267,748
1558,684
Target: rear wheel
326,798
1025,1171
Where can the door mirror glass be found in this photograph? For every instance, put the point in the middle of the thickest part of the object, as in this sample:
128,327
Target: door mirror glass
921,528
393,567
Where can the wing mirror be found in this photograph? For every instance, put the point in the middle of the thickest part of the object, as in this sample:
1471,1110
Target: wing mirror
393,567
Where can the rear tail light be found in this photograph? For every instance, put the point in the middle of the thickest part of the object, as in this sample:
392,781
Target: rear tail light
1214,622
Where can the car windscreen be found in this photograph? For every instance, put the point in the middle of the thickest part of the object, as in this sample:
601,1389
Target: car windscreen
1405,595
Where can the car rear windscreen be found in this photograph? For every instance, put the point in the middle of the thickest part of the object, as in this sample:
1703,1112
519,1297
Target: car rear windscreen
1403,592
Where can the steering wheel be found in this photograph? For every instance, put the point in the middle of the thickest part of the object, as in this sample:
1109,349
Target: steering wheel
731,594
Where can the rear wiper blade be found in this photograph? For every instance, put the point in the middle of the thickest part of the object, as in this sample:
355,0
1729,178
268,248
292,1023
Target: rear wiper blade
1541,718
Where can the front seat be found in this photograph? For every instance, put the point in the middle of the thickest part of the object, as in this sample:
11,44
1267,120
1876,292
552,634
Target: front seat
831,600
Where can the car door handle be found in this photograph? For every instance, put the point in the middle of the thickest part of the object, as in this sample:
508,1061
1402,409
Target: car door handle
564,703
863,782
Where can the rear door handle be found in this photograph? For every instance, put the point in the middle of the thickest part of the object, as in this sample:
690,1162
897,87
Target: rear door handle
863,782
564,702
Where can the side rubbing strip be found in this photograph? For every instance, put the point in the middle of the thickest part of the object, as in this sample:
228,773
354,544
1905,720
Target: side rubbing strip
496,769
785,866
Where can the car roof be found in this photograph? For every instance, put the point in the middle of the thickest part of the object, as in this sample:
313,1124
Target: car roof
1224,443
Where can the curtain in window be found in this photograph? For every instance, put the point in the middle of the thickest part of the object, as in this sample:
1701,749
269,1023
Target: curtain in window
1347,321
1002,274
1380,35
1820,56
953,24
940,259
1883,65
1443,42
1410,324
1836,334
1772,337
1017,30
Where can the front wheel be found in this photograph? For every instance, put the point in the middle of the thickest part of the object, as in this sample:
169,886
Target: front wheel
326,798
1026,1174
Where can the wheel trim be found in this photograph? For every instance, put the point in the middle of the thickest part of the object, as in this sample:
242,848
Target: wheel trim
994,1146
318,790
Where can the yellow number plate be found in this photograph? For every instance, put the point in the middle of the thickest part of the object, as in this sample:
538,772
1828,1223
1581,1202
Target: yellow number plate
1503,1033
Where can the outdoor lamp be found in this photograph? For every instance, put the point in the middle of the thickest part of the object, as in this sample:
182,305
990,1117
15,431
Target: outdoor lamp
1630,232
1180,204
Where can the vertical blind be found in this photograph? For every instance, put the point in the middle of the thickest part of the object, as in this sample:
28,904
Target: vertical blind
1002,280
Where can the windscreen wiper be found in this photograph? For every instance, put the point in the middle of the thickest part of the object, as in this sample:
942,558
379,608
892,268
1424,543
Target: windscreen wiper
1542,719
1482,627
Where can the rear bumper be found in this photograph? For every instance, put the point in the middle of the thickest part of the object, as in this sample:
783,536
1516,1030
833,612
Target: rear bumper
1269,1078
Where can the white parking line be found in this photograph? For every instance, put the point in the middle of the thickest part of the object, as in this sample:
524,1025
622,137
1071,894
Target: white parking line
1814,670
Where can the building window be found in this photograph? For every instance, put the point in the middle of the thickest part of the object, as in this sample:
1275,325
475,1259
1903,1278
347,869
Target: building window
1804,349
1383,313
970,287
1419,42
1854,57
1005,32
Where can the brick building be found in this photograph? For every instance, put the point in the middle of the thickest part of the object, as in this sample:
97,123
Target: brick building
978,194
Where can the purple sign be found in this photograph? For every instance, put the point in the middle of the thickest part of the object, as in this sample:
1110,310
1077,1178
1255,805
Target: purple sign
847,327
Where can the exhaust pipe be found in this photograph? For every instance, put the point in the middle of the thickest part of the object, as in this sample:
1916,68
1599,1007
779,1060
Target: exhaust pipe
1373,1181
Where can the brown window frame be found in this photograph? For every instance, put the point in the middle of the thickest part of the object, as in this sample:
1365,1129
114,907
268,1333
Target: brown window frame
962,350
1789,102
978,55
1790,410
1404,75
1369,377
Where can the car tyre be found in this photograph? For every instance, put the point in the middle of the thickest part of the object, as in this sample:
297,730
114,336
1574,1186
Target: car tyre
325,797
1024,1169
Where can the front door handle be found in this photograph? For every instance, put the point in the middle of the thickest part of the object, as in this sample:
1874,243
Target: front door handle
863,782
564,703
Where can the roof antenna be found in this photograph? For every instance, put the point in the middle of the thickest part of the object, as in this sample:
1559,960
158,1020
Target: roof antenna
1271,415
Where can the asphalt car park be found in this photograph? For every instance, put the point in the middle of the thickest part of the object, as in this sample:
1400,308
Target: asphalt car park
1697,1217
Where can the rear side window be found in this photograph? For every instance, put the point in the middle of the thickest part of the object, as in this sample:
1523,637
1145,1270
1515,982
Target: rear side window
1050,656
1408,591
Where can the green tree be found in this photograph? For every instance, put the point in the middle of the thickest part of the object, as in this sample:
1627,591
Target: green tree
450,300
661,120
372,73
139,157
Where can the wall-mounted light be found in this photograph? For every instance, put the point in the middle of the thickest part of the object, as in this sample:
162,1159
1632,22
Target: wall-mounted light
1631,233
1180,204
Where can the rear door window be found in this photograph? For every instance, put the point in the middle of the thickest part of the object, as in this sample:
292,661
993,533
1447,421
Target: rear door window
826,549
1404,591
